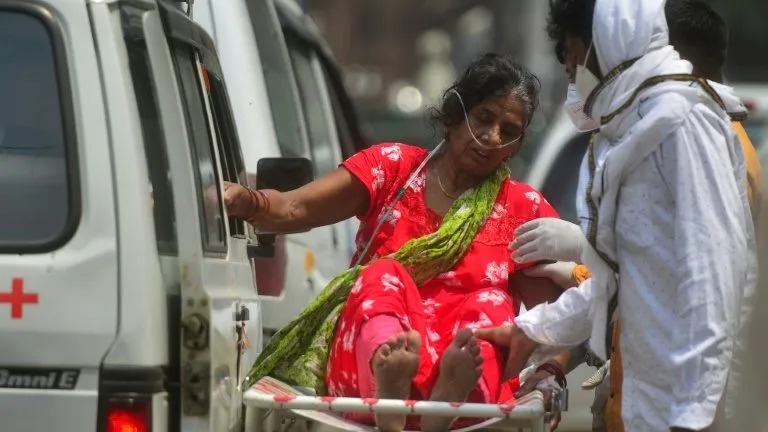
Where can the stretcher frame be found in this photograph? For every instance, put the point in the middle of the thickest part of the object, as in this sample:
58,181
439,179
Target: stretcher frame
272,403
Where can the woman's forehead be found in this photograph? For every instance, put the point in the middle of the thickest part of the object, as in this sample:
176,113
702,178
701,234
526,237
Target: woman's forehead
509,104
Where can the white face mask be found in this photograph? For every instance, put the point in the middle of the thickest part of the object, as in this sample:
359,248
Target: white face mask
574,104
586,81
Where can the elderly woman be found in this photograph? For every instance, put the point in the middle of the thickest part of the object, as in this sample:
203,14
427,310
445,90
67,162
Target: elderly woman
433,256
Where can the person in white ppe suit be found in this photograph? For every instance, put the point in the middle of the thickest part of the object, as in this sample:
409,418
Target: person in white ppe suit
700,36
668,234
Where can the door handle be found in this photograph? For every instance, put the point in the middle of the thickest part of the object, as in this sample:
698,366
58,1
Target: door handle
244,314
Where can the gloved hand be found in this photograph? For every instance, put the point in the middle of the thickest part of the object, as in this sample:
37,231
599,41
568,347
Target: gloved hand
548,239
545,382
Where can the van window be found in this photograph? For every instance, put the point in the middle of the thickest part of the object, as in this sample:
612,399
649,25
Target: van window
38,196
347,143
232,167
151,130
563,179
280,90
209,194
321,141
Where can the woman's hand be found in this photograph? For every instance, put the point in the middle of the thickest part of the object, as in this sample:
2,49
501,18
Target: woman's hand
520,346
548,239
558,272
239,201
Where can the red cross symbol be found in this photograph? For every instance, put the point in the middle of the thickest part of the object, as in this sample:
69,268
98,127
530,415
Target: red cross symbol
17,298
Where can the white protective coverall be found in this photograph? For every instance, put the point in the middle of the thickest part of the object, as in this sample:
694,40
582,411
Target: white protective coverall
674,215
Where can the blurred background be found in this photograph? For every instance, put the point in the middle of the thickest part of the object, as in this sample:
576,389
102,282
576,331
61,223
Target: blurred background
398,55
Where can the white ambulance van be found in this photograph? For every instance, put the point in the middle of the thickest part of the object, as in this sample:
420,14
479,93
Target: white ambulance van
127,300
289,101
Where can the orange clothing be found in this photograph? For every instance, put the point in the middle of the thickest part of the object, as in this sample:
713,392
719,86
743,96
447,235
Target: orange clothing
581,273
754,172
613,421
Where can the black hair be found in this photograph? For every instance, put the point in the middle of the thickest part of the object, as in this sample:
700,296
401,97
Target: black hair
569,18
698,33
490,76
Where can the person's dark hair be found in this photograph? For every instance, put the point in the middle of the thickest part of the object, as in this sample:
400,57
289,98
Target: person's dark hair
490,76
569,18
698,33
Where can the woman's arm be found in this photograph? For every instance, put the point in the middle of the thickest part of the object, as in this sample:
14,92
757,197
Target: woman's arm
533,290
325,201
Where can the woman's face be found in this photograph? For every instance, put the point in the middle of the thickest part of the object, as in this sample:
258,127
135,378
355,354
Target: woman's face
495,122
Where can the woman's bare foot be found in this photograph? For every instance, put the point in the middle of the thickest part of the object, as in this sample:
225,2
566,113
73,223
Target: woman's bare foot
460,369
394,366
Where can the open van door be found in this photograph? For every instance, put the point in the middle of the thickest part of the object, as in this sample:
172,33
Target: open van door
210,342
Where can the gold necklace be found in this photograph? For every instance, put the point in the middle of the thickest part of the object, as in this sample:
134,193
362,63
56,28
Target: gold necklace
440,183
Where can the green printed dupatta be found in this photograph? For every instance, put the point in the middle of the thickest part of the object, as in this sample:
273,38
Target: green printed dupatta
298,353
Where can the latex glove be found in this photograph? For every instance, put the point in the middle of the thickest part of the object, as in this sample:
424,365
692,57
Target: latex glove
537,380
544,382
526,374
559,272
548,239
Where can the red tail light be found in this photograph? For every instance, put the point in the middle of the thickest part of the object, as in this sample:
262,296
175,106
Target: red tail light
128,415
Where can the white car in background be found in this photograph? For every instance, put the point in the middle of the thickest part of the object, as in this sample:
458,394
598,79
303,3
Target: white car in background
555,172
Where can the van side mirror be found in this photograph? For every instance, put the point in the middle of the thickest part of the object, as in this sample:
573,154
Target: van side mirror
281,174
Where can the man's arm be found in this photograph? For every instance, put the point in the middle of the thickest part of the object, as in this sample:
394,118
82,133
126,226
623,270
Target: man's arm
545,328
711,247
566,361
573,358
564,323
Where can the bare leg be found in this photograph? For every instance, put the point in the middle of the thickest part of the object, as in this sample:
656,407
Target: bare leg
394,366
460,369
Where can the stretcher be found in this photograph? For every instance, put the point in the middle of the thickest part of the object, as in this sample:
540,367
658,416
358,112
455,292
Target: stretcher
274,406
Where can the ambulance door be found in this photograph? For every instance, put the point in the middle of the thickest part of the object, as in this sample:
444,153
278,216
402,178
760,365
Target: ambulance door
232,169
210,268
